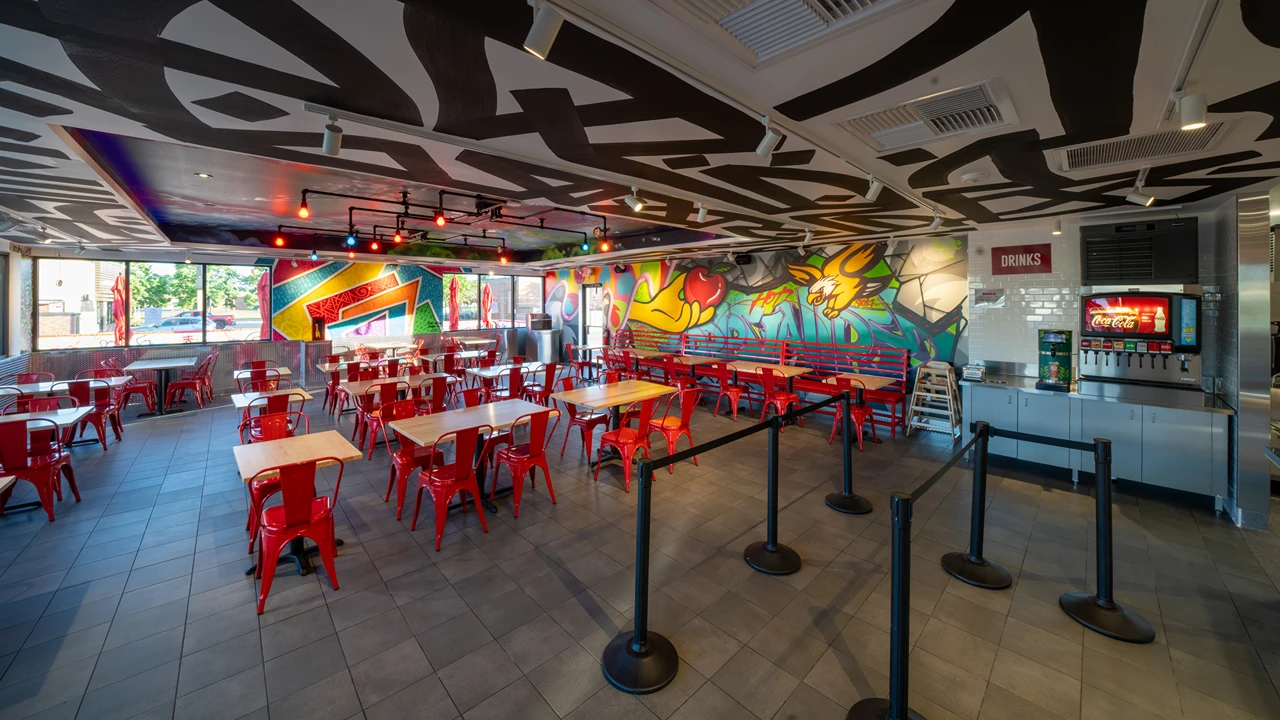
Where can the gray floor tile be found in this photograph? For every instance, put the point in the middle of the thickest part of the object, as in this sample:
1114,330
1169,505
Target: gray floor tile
452,640
755,683
423,700
390,671
303,667
568,679
132,696
137,657
237,696
333,698
221,661
472,679
517,701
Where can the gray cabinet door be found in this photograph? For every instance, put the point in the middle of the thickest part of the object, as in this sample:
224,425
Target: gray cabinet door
1177,449
1049,415
997,406
1122,425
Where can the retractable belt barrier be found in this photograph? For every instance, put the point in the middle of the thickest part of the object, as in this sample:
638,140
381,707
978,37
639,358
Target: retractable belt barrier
640,661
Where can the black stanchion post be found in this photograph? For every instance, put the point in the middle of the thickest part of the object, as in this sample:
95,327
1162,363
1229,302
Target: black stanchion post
846,501
1101,613
895,706
641,662
971,567
771,556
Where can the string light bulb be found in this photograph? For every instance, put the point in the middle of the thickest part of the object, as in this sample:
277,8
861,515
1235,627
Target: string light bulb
604,246
279,241
304,212
374,246
397,239
585,246
351,255
440,219
315,255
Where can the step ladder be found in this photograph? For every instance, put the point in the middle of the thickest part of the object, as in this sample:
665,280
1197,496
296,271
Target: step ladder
935,400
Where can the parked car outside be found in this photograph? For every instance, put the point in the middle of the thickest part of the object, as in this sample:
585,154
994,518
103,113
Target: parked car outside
219,321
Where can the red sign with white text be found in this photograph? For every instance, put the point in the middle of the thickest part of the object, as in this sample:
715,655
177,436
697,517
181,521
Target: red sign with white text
1022,259
1127,315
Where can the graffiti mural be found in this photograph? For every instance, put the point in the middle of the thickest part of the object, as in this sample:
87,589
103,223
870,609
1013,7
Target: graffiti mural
353,299
904,294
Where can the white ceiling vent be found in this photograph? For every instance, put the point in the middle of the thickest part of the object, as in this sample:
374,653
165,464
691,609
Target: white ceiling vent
765,29
955,112
1139,148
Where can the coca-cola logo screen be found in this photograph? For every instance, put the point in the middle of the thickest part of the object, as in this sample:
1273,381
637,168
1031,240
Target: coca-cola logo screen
1127,315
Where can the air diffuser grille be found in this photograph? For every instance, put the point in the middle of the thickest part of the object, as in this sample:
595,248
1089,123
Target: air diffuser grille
1139,148
955,112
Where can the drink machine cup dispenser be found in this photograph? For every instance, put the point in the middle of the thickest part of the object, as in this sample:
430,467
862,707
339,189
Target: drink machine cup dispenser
1055,360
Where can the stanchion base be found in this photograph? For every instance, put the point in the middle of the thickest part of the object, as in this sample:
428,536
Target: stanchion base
644,672
782,561
987,574
849,504
877,709
1116,622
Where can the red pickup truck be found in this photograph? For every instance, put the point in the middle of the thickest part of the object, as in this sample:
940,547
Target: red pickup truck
219,321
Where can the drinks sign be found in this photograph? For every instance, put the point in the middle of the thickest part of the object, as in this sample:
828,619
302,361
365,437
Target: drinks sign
1022,259
1120,315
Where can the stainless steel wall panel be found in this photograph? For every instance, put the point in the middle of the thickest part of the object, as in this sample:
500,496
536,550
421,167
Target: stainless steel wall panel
1253,421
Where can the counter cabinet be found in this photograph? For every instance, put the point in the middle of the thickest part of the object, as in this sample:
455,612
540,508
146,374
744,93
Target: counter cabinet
1181,449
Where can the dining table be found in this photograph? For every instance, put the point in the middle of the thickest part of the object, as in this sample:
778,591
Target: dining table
436,357
280,372
253,458
242,400
161,367
55,387
426,430
613,396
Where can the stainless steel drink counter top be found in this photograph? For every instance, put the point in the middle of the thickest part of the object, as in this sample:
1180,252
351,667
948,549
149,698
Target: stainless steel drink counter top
1117,393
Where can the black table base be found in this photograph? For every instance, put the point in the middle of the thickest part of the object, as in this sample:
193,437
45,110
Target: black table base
162,392
299,554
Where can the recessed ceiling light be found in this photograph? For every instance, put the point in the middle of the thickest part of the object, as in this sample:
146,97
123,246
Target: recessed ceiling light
203,175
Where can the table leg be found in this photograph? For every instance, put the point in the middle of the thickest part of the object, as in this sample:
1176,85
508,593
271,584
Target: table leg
299,554
162,393
610,455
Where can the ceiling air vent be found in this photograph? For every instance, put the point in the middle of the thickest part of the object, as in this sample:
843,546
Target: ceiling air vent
955,112
1140,148
765,29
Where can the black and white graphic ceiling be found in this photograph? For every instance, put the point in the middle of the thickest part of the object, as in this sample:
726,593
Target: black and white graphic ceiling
601,114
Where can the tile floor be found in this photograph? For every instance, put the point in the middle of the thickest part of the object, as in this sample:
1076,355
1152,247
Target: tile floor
134,603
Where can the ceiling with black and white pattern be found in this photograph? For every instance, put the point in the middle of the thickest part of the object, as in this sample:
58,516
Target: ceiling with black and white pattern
643,92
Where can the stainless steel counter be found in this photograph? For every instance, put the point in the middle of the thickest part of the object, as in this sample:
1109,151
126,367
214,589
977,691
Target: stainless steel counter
1117,393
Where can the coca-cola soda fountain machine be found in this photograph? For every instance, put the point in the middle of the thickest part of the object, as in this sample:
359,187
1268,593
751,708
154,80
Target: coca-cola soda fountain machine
1145,338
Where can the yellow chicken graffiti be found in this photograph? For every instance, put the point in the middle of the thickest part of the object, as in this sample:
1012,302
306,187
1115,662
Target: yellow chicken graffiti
842,280
690,300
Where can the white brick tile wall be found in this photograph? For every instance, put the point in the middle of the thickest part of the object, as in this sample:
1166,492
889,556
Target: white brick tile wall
1032,302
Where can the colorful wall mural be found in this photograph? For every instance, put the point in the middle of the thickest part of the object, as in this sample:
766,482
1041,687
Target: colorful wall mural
902,294
353,299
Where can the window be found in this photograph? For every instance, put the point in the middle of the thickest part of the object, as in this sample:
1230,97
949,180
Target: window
528,298
78,304
468,299
499,288
237,295
166,301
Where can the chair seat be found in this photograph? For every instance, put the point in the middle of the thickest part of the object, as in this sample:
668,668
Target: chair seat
273,517
670,423
515,452
591,417
623,435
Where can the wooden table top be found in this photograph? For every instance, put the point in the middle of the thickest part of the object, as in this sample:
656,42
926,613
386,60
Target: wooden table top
47,388
328,368
361,387
645,354
284,372
242,400
464,340
166,364
748,366
65,417
869,382
427,429
614,394
7,482
253,458
498,371
696,359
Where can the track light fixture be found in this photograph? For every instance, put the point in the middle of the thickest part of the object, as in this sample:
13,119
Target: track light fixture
542,34
303,211
1136,196
1057,226
294,262
187,259
702,213
937,221
1192,108
873,191
79,248
332,144
769,141
634,201
45,237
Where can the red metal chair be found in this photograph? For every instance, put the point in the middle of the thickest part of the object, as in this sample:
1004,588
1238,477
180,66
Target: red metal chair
391,367
514,389
32,451
255,375
727,388
517,360
408,456
524,458
412,370
451,367
674,427
29,378
19,402
541,392
98,395
779,400
135,386
204,375
475,397
258,364
301,514
448,480
430,394
368,422
579,366
51,403
673,375
265,428
859,413
586,422
628,441
273,405
195,383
